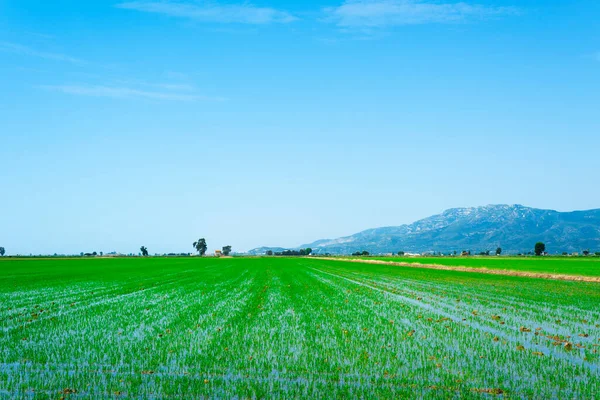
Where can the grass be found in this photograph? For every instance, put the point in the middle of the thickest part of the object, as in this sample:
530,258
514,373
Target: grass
584,266
290,327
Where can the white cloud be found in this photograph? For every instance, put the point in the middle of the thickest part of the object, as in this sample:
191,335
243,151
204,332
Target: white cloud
28,51
126,93
382,13
212,12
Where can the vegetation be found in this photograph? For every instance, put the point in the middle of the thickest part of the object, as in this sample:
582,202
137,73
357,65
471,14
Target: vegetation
499,251
585,266
540,248
2,251
144,251
290,328
288,253
201,246
226,250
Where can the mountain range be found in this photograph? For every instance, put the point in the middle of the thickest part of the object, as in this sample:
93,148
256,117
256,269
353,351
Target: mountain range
514,228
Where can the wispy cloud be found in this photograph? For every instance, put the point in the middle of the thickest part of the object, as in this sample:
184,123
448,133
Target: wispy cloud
28,51
124,92
177,87
212,12
385,13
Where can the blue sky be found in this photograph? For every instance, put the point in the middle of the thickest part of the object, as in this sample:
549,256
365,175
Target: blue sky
129,123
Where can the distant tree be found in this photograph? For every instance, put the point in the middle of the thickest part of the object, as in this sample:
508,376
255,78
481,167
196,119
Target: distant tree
487,252
499,251
226,250
597,253
290,253
269,252
586,253
144,251
357,253
2,251
81,254
307,251
94,254
540,248
200,246
101,254
401,253
454,252
365,253
564,253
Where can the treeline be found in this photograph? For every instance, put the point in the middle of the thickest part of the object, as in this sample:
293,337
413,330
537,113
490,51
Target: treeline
201,247
290,253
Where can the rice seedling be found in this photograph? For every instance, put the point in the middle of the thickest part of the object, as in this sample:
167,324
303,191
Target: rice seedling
284,327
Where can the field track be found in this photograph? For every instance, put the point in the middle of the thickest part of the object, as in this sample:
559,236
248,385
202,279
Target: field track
479,270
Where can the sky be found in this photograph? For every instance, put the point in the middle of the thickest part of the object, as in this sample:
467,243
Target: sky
129,123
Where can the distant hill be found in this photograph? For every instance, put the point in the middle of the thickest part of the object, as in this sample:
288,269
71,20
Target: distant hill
514,228
263,250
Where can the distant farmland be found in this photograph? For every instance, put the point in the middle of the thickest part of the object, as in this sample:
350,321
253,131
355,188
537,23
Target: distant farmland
292,327
584,266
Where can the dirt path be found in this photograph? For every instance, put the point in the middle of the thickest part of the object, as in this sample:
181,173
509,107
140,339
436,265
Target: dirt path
480,270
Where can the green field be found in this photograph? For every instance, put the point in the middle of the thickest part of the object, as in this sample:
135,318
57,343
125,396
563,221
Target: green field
585,266
286,328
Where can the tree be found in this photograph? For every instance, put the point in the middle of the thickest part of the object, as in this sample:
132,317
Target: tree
586,253
307,251
401,253
269,252
200,246
101,254
94,254
365,253
499,251
540,248
226,250
2,251
144,251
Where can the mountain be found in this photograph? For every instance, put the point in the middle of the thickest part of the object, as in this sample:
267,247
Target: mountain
514,228
263,250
